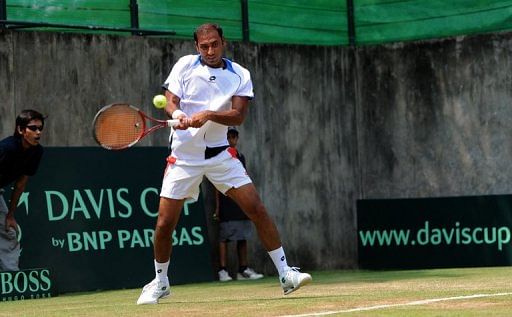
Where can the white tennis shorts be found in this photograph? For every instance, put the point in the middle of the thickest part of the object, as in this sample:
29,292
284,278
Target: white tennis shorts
182,178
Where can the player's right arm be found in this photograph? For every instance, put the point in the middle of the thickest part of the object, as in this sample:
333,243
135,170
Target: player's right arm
173,110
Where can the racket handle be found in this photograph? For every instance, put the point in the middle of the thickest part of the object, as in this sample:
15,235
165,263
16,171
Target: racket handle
173,122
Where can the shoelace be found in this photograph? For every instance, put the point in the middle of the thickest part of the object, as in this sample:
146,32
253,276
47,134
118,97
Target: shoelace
294,268
289,272
148,286
154,284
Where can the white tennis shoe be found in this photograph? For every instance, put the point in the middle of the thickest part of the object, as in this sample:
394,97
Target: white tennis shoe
224,276
153,291
292,280
248,274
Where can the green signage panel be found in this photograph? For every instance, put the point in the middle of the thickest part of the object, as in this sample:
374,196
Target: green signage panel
435,232
89,216
26,284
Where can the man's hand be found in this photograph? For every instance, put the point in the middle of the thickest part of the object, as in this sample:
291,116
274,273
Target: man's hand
183,125
10,222
215,215
199,119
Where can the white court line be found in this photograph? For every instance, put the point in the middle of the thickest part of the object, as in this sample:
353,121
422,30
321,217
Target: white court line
413,303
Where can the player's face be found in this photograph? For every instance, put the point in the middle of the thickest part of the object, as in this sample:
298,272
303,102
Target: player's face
232,139
32,133
211,47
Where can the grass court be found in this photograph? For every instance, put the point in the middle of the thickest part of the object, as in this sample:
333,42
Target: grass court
436,292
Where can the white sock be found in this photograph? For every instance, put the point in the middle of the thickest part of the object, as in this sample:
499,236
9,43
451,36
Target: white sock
279,260
161,271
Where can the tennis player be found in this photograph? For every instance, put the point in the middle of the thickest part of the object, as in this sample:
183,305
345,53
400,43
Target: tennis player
208,93
20,155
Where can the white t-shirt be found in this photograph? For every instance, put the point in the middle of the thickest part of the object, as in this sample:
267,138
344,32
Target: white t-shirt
199,88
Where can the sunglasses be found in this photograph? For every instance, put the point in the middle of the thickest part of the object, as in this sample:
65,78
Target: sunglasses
35,127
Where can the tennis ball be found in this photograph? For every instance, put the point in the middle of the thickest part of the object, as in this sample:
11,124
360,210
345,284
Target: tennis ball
160,101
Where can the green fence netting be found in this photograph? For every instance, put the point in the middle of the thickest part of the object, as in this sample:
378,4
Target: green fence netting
109,13
305,22
379,21
311,22
183,16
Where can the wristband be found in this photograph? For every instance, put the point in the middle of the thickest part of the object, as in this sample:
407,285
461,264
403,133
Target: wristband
177,113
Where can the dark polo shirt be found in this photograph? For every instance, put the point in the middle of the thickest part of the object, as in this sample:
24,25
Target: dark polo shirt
16,161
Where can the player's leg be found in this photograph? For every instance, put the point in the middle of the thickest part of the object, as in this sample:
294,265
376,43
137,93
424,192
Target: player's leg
230,178
169,212
179,183
249,200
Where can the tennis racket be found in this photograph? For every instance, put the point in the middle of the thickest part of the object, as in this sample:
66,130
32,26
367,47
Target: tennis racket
119,126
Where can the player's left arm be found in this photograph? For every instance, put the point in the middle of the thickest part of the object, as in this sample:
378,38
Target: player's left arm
19,187
233,117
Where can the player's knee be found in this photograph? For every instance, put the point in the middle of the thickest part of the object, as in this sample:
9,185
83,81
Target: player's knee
165,224
257,211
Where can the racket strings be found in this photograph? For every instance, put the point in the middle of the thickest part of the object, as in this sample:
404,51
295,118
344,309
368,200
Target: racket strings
118,127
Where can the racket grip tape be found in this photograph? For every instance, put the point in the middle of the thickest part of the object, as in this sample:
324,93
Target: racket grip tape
173,122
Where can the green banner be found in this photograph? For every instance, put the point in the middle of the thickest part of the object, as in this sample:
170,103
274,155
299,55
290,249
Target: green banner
89,215
26,284
435,232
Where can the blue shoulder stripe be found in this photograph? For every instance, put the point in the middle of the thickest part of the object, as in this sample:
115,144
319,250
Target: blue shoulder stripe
198,60
229,65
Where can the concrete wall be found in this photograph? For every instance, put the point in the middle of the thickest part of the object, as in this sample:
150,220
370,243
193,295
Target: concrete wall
435,118
329,125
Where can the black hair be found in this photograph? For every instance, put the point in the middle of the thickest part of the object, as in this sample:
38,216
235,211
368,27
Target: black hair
25,117
207,27
232,130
